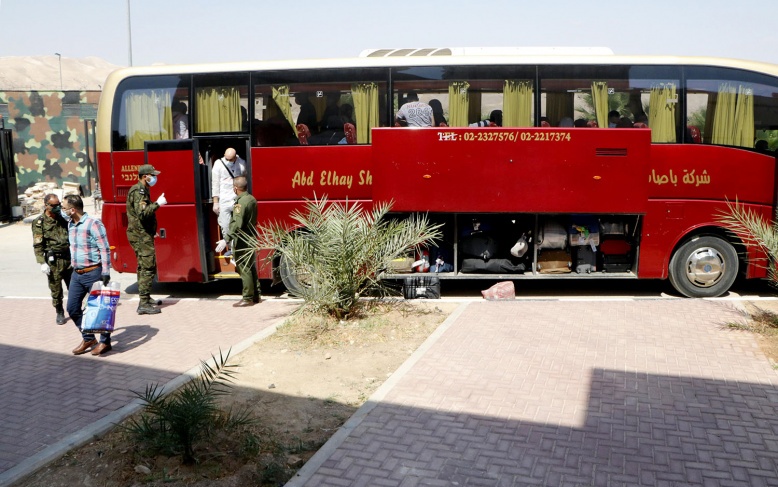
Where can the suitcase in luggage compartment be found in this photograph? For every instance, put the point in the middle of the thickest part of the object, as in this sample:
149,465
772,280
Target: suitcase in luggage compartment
616,255
554,262
421,287
616,263
615,246
585,259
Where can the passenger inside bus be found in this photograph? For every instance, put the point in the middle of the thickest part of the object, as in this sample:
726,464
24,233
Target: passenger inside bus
414,112
613,118
307,114
180,120
332,134
438,120
347,113
494,120
332,107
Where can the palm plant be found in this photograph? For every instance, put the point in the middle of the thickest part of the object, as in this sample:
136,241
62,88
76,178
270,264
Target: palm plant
616,101
172,424
754,229
337,251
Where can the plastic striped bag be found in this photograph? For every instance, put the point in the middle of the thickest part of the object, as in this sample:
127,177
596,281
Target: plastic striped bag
100,313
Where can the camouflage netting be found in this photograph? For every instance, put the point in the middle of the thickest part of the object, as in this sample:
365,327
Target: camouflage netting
49,142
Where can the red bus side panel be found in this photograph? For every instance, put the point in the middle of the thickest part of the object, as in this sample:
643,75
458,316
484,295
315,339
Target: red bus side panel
688,186
512,170
294,173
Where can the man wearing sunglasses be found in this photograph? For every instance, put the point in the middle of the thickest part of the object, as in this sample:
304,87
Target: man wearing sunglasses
52,252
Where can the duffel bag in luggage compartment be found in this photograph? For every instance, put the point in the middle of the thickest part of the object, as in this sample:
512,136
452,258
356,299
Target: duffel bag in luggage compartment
491,266
479,245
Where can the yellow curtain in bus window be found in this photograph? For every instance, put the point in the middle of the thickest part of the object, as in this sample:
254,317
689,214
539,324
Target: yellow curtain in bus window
558,106
365,97
662,101
600,102
458,103
517,103
733,120
218,109
281,97
148,117
744,117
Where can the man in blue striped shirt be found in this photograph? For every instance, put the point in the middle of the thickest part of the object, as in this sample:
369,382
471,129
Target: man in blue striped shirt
91,261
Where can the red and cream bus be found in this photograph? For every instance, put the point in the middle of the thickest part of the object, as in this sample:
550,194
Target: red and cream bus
643,196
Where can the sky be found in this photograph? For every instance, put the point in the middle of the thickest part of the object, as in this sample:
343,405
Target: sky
193,31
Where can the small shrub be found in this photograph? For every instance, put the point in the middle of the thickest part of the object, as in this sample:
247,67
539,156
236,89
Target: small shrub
172,424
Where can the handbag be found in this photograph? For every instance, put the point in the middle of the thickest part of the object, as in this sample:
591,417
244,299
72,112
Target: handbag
100,313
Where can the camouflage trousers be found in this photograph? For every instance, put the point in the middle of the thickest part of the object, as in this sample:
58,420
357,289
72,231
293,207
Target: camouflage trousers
147,269
247,269
60,271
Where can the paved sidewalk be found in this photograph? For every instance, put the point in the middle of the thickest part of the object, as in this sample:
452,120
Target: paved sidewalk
51,399
561,393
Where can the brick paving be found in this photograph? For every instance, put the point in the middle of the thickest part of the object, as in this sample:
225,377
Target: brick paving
562,393
48,394
556,393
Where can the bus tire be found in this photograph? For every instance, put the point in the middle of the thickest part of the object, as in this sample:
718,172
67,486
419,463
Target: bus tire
704,267
289,276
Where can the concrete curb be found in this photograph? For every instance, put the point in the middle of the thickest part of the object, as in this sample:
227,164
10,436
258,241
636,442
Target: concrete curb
99,428
316,461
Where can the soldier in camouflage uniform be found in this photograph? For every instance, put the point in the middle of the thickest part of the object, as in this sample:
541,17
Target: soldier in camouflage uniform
243,225
52,250
141,228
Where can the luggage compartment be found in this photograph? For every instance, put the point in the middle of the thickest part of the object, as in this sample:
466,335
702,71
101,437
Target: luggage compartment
526,246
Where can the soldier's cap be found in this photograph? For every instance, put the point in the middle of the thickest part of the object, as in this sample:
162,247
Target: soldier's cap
147,169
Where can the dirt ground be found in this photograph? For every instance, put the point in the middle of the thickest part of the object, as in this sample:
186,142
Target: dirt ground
301,385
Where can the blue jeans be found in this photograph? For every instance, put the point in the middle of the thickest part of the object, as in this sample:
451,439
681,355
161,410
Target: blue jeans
80,285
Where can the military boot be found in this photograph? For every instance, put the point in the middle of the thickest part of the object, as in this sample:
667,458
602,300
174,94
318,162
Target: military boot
148,309
60,315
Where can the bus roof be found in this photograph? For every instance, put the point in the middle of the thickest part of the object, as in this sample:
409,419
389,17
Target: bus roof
485,58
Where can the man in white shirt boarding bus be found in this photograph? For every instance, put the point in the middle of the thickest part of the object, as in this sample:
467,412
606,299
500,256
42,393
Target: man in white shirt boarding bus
224,171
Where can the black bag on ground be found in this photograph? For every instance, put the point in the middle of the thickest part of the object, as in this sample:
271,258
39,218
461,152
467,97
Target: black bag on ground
492,266
421,287
479,245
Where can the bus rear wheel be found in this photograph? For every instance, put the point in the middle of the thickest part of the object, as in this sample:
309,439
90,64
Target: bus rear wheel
295,278
704,267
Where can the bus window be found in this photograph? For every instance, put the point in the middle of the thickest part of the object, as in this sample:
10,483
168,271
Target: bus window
469,94
221,103
143,110
336,106
731,107
612,96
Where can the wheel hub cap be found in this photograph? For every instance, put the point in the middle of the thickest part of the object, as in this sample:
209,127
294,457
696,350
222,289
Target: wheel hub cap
705,267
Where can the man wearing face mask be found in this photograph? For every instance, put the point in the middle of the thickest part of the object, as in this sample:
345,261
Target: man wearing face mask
52,251
141,228
225,170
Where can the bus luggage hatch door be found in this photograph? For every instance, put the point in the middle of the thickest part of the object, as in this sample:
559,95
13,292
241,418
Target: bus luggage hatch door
181,226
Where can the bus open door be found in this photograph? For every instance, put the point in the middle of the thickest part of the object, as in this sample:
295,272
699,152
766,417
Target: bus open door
182,224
